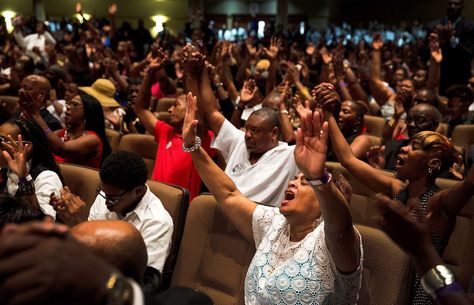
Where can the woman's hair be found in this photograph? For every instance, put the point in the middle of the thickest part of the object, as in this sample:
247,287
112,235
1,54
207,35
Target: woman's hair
41,157
437,146
14,211
94,121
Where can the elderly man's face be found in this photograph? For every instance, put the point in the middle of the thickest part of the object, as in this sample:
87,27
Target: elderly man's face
260,136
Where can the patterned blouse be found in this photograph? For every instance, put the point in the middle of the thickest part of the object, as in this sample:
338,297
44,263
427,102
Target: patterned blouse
285,272
418,296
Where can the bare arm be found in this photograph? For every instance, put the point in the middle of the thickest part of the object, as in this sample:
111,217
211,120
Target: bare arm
379,91
142,105
452,200
354,86
434,71
358,168
310,156
235,206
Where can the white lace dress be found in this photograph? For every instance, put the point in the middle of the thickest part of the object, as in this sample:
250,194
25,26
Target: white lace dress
284,272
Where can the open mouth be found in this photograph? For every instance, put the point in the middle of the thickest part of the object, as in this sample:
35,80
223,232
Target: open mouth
400,162
289,195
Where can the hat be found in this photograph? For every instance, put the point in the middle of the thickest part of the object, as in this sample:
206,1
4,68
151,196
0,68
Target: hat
104,91
263,64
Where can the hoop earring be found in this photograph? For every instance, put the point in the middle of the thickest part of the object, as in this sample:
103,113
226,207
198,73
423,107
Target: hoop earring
430,170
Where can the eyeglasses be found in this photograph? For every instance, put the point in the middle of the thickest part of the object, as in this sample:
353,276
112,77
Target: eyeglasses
74,104
112,199
255,131
5,140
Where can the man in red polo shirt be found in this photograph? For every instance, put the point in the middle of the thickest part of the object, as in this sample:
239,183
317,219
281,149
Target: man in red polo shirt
172,164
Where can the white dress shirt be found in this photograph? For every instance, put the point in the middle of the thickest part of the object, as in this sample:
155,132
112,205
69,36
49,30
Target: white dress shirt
264,182
46,182
150,218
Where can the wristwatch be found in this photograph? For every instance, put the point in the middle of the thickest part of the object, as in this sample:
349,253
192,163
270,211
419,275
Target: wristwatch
119,290
324,179
437,278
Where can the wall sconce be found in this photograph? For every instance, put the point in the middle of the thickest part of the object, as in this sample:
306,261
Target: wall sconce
159,20
9,15
81,19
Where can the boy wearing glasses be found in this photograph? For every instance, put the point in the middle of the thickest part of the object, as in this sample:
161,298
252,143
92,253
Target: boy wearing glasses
124,195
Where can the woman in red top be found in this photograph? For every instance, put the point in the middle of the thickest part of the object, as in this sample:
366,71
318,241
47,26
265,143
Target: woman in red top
83,141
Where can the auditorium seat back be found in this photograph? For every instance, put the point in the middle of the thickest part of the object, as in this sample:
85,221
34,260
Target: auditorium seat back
385,272
214,256
463,135
175,200
114,138
460,249
375,125
142,144
81,180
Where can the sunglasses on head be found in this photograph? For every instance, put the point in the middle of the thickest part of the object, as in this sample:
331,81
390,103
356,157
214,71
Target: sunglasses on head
5,140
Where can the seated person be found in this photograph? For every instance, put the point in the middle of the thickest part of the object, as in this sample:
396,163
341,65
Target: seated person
310,239
460,98
117,242
172,165
124,195
14,211
257,162
83,141
27,166
421,117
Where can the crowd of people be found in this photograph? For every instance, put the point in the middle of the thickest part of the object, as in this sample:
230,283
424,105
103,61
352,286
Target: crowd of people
255,117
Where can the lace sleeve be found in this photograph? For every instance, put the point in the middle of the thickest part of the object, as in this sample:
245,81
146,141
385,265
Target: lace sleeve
262,220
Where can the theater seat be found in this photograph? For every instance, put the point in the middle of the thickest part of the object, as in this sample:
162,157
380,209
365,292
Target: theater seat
114,138
9,104
81,180
214,256
361,206
175,199
144,145
463,135
459,253
164,104
442,129
375,125
386,270
460,249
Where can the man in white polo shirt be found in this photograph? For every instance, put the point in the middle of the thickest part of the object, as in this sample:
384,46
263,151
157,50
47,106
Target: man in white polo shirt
258,163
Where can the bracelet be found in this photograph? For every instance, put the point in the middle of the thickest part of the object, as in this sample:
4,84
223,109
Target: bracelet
26,179
192,148
47,131
118,290
26,188
324,179
284,111
437,278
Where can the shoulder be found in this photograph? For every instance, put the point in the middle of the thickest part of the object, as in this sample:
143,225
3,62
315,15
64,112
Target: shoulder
152,209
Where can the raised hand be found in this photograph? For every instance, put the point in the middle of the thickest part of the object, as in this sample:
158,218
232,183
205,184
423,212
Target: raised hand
311,145
192,61
28,103
250,48
190,122
272,53
15,155
326,56
113,9
377,43
435,50
327,98
410,233
248,91
376,156
403,101
69,207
